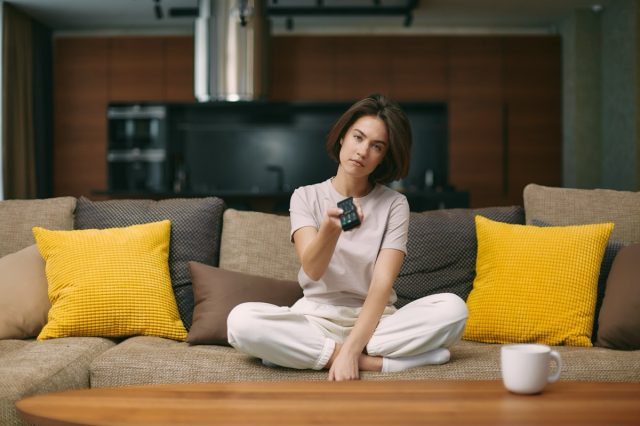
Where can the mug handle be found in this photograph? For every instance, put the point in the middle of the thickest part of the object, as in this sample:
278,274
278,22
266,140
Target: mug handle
558,359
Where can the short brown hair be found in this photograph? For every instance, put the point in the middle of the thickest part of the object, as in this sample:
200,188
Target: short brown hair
395,164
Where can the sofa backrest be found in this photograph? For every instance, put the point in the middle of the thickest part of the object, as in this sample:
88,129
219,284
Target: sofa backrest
18,217
569,206
258,244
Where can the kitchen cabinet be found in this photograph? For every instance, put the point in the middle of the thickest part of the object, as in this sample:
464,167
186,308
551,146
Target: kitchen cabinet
302,68
178,69
477,149
532,94
91,72
136,68
503,95
418,67
80,125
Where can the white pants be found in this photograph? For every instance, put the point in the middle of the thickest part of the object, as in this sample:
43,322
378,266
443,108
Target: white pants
305,335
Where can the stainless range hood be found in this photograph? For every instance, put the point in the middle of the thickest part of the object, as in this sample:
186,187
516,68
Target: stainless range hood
230,43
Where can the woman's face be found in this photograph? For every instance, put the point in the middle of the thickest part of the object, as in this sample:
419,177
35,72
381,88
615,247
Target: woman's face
364,146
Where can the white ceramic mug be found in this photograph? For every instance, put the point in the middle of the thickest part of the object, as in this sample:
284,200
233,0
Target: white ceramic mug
525,367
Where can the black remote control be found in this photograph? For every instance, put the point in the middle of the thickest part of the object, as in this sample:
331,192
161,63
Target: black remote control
349,218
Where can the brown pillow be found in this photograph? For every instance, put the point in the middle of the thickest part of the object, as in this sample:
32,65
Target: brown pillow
619,320
24,303
217,291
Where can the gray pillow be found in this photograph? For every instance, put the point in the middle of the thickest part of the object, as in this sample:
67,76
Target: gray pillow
442,249
610,253
195,233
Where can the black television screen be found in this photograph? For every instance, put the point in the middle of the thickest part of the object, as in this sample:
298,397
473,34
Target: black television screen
268,147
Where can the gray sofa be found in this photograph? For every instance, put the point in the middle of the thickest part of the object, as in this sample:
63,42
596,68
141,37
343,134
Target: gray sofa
258,244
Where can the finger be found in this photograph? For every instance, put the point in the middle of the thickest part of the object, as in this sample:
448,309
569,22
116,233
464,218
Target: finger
359,211
334,212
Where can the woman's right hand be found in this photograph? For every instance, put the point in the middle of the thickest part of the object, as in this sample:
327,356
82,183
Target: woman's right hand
315,246
332,214
332,218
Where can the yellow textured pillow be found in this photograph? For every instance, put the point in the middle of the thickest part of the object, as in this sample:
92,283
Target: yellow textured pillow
535,284
110,282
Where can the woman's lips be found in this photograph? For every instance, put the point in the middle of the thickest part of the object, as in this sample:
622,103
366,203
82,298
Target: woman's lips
357,163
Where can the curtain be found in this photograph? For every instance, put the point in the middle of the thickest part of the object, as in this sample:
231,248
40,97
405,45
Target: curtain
43,108
27,109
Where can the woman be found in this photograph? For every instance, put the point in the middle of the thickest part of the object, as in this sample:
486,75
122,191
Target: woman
346,321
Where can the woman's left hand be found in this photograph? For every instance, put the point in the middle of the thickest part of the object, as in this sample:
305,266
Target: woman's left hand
344,367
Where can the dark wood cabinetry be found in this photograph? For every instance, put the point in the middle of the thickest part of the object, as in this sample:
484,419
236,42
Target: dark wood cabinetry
477,157
136,69
532,94
503,95
89,73
503,92
81,94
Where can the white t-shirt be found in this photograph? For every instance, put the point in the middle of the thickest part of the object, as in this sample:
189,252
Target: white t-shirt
348,276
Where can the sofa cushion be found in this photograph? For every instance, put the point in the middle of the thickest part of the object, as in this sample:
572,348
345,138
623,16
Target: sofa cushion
442,251
195,233
535,284
19,216
258,244
109,282
217,291
23,294
568,206
619,321
141,360
29,368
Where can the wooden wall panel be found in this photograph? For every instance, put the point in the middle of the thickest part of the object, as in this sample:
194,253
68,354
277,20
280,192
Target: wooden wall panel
504,96
90,73
302,68
533,93
359,72
419,69
80,126
475,68
532,68
535,151
476,119
476,150
136,68
178,70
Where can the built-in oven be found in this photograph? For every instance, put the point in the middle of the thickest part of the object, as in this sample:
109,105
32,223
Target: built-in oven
137,157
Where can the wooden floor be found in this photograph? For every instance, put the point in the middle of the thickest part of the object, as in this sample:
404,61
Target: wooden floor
339,403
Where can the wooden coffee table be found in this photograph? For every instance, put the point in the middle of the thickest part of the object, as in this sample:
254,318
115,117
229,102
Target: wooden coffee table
341,403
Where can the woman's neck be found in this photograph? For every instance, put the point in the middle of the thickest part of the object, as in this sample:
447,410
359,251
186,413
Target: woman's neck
349,187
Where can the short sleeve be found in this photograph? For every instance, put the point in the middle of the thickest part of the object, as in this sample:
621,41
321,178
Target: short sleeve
397,231
301,211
